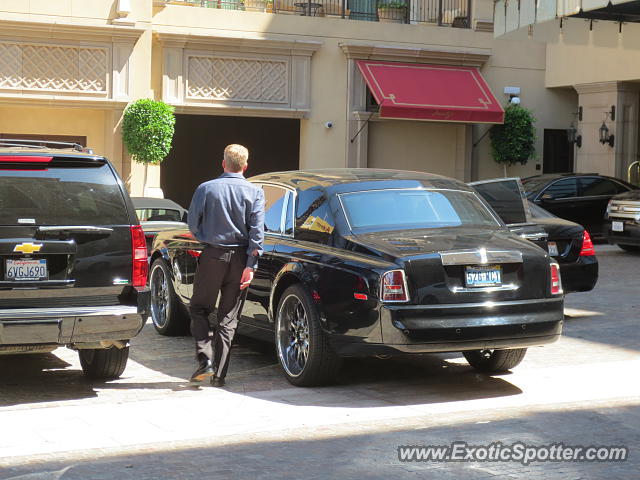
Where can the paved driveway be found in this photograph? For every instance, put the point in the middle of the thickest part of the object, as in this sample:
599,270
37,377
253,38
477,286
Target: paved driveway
582,390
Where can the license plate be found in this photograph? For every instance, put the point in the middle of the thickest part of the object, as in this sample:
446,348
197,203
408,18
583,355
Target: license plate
553,249
25,270
617,226
489,276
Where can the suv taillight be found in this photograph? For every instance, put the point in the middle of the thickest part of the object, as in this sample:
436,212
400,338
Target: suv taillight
556,283
587,245
140,268
393,287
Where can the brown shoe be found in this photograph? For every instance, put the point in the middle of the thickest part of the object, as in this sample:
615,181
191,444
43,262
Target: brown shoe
204,371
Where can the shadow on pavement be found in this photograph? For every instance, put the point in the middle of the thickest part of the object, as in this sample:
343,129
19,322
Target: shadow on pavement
324,455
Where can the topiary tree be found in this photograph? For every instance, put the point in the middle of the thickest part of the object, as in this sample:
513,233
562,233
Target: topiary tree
514,141
147,131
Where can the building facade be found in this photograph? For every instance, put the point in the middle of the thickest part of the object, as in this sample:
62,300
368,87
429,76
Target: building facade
283,77
592,48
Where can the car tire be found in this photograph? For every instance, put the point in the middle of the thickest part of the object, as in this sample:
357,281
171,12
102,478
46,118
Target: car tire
492,361
630,248
167,313
103,363
305,355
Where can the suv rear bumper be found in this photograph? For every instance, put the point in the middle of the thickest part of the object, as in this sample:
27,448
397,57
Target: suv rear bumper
72,325
630,235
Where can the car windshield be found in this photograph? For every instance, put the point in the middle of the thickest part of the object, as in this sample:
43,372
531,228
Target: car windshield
61,196
402,209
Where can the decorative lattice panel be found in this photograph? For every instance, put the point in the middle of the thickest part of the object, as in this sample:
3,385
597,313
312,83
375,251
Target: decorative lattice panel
238,79
58,68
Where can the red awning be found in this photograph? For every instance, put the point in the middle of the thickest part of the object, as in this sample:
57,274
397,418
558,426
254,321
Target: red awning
440,93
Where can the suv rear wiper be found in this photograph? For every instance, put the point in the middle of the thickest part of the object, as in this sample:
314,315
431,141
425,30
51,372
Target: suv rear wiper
75,228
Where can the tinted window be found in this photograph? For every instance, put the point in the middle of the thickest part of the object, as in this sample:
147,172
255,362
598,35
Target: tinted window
61,195
397,209
539,212
274,202
314,220
565,188
505,197
593,186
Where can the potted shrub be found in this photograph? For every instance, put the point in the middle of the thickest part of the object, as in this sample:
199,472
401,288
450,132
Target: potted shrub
392,11
513,141
147,131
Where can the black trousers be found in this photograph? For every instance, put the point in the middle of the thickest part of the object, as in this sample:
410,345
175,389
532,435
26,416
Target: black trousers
219,272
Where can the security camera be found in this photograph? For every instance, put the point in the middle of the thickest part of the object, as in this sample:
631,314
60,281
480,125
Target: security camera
515,100
328,124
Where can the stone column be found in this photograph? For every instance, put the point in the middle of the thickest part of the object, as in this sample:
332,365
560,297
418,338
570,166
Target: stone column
596,99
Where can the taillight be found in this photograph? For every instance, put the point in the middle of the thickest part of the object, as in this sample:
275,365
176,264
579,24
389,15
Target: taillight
140,267
587,245
556,283
393,287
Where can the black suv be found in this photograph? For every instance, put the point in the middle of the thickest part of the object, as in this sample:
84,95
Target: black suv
73,259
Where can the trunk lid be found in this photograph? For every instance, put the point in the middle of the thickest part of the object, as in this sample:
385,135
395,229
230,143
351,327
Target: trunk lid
438,261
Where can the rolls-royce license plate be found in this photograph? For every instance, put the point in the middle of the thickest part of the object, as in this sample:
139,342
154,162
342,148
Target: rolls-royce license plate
25,269
481,276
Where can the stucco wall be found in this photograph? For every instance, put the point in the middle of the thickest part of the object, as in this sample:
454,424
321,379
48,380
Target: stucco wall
420,146
511,64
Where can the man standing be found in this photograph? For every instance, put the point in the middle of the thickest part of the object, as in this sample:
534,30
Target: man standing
226,214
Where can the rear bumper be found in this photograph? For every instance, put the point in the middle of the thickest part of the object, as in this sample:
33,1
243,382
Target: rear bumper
453,328
72,325
630,235
579,276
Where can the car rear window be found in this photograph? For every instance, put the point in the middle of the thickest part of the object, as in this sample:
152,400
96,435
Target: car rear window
158,215
61,195
398,209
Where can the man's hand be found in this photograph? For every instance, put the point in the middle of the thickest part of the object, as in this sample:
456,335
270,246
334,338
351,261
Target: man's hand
247,277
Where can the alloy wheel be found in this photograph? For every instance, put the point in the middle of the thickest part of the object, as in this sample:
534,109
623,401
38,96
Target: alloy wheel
159,297
293,335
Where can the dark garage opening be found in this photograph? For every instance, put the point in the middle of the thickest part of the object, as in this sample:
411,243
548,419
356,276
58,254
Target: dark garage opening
199,140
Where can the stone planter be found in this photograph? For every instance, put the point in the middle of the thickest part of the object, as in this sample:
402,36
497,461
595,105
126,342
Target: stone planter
392,15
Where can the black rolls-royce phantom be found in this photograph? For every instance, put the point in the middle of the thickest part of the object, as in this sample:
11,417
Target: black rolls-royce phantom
363,262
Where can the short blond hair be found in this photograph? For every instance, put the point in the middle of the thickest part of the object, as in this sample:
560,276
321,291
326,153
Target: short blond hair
235,157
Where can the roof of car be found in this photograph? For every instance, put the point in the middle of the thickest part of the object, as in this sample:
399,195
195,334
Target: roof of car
337,178
65,152
152,202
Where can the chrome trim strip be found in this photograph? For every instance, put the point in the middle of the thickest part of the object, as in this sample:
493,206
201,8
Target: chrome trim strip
74,228
507,287
40,313
480,256
475,304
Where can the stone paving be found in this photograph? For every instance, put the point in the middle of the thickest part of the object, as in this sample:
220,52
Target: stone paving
152,424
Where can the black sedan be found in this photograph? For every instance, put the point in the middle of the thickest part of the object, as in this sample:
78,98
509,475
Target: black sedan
579,197
569,243
363,262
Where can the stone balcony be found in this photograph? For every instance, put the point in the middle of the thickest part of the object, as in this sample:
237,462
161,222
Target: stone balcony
447,13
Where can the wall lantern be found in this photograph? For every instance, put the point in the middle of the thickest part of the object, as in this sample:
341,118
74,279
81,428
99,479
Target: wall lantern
572,135
605,136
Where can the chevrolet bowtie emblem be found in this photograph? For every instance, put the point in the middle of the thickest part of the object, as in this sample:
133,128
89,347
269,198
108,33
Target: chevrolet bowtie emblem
28,248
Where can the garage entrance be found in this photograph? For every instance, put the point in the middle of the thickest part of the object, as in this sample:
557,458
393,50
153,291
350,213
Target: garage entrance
199,140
